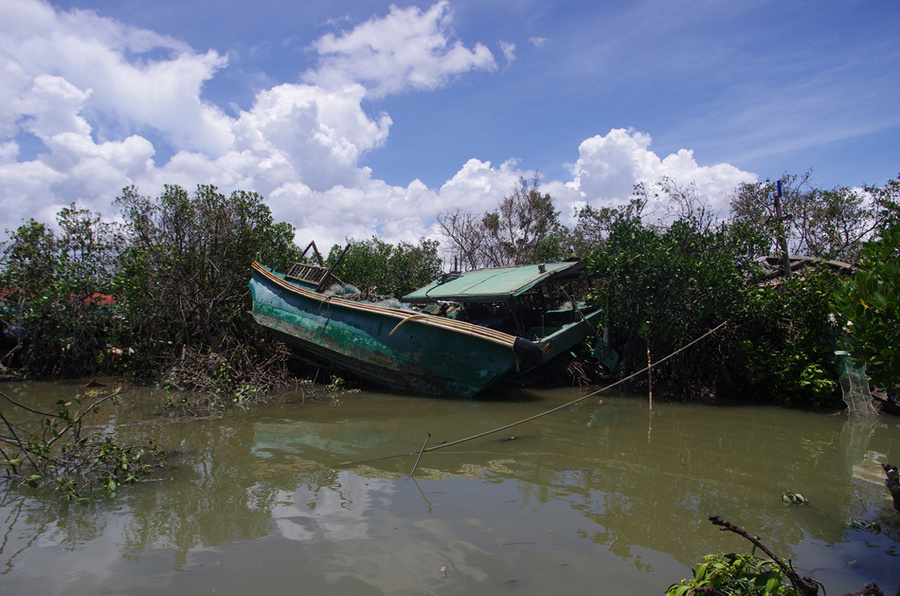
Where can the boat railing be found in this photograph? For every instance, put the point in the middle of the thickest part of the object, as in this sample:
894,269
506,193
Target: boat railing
317,275
311,274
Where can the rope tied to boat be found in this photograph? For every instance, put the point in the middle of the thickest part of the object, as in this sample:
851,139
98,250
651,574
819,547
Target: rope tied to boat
408,319
326,301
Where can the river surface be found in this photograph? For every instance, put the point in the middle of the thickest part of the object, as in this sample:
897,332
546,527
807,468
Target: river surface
315,497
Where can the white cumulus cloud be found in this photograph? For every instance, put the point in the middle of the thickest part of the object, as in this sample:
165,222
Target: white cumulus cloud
110,63
609,166
79,93
407,49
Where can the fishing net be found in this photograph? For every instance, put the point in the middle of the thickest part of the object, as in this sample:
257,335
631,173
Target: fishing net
855,386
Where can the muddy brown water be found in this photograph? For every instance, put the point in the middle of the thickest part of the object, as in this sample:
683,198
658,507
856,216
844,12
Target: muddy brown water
315,497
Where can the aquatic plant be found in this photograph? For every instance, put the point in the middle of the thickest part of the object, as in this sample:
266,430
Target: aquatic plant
45,450
736,574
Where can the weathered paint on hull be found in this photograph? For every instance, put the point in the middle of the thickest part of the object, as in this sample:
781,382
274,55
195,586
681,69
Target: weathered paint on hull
418,357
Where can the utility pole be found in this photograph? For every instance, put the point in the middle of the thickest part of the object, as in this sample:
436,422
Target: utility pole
782,237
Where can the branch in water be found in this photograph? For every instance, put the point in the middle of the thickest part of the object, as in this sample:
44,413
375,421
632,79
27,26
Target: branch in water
806,586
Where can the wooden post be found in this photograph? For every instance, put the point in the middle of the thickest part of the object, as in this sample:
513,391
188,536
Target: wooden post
421,451
782,237
649,375
325,278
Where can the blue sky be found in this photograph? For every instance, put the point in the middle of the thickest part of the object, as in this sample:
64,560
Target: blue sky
356,118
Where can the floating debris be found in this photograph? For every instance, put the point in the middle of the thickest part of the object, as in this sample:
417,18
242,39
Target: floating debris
789,498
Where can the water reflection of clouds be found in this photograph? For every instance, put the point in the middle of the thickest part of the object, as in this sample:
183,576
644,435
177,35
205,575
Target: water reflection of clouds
333,512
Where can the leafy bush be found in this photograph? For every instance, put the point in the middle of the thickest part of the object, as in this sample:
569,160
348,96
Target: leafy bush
870,303
784,341
100,297
183,280
664,288
58,290
735,575
51,449
377,267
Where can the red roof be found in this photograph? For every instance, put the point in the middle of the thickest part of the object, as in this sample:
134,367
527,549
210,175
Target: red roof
95,298
98,298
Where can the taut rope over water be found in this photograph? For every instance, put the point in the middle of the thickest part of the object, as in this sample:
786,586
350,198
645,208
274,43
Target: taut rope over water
536,416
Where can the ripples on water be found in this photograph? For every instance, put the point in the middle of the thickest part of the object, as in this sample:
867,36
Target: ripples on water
313,497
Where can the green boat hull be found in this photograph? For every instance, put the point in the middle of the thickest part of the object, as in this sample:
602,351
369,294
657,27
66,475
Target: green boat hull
394,348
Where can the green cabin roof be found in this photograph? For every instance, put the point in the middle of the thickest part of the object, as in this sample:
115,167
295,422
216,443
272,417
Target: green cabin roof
494,285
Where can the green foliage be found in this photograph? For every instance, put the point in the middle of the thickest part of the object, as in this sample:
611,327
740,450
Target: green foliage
49,450
736,575
870,302
176,270
379,268
666,287
827,224
183,280
783,346
595,225
29,260
170,280
58,289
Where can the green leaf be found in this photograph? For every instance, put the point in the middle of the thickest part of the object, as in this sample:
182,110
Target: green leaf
770,579
678,590
700,573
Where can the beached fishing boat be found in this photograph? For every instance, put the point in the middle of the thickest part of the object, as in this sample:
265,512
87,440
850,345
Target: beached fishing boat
455,337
